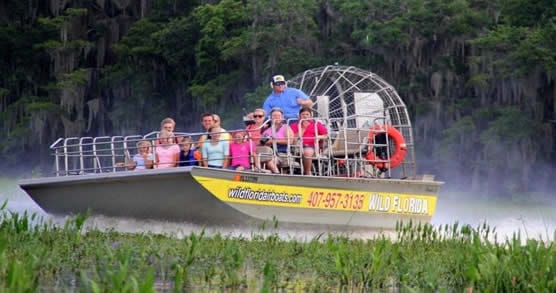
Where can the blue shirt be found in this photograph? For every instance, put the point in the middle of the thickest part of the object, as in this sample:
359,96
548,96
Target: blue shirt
140,161
187,159
215,154
287,101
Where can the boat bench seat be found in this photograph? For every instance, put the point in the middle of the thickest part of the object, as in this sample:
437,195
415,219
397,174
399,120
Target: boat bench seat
266,154
349,141
285,161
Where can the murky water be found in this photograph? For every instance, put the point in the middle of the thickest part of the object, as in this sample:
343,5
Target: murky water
532,217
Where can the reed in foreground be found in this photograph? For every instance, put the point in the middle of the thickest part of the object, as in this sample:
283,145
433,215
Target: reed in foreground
60,258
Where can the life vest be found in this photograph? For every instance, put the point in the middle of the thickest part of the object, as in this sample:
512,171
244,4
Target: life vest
397,156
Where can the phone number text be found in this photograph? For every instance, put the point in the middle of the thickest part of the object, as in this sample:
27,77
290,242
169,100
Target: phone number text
336,200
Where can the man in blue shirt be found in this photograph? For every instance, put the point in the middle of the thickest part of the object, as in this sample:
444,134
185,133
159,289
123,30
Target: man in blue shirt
290,100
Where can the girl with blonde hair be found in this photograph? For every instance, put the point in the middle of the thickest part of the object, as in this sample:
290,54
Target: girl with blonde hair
167,153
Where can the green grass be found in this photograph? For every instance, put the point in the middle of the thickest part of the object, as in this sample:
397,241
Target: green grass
423,258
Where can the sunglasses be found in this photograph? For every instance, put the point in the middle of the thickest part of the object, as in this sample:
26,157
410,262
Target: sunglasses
279,83
258,116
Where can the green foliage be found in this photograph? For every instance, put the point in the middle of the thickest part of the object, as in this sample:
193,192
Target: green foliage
211,92
528,13
539,48
465,105
517,50
163,10
138,73
75,78
54,22
460,142
479,80
256,98
398,23
176,40
41,106
35,254
75,11
459,132
220,27
178,58
139,45
504,39
49,45
509,127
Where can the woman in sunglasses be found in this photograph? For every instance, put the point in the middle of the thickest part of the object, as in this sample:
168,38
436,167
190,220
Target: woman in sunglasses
254,130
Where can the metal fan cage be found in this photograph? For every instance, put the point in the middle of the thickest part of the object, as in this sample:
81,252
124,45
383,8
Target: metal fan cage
355,98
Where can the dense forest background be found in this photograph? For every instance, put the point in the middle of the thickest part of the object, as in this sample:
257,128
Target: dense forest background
477,75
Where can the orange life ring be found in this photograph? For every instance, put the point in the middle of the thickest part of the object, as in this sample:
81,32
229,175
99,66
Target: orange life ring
400,150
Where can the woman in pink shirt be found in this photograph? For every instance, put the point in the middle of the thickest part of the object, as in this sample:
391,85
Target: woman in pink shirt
276,138
310,132
167,153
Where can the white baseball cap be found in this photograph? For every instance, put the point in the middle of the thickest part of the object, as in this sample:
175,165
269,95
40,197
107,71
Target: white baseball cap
278,79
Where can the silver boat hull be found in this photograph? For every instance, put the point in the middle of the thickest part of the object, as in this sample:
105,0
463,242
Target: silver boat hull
206,196
164,194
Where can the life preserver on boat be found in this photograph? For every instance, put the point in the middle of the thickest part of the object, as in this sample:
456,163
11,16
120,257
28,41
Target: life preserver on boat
400,150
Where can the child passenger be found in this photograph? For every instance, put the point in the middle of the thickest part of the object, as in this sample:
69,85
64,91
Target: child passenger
187,152
167,152
144,158
242,153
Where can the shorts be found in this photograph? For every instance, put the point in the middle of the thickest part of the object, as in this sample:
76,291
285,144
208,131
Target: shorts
235,166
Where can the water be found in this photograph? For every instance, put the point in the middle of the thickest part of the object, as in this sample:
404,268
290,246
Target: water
532,217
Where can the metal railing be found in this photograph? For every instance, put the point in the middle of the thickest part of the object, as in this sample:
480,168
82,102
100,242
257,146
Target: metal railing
342,153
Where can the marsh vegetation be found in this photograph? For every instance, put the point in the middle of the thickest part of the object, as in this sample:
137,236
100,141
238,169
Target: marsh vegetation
36,255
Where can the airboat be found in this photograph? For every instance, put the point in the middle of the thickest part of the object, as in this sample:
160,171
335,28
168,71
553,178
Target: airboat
365,174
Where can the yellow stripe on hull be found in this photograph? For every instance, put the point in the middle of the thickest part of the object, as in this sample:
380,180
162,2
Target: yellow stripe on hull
253,193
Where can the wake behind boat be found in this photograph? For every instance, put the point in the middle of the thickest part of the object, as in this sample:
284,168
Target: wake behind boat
363,176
